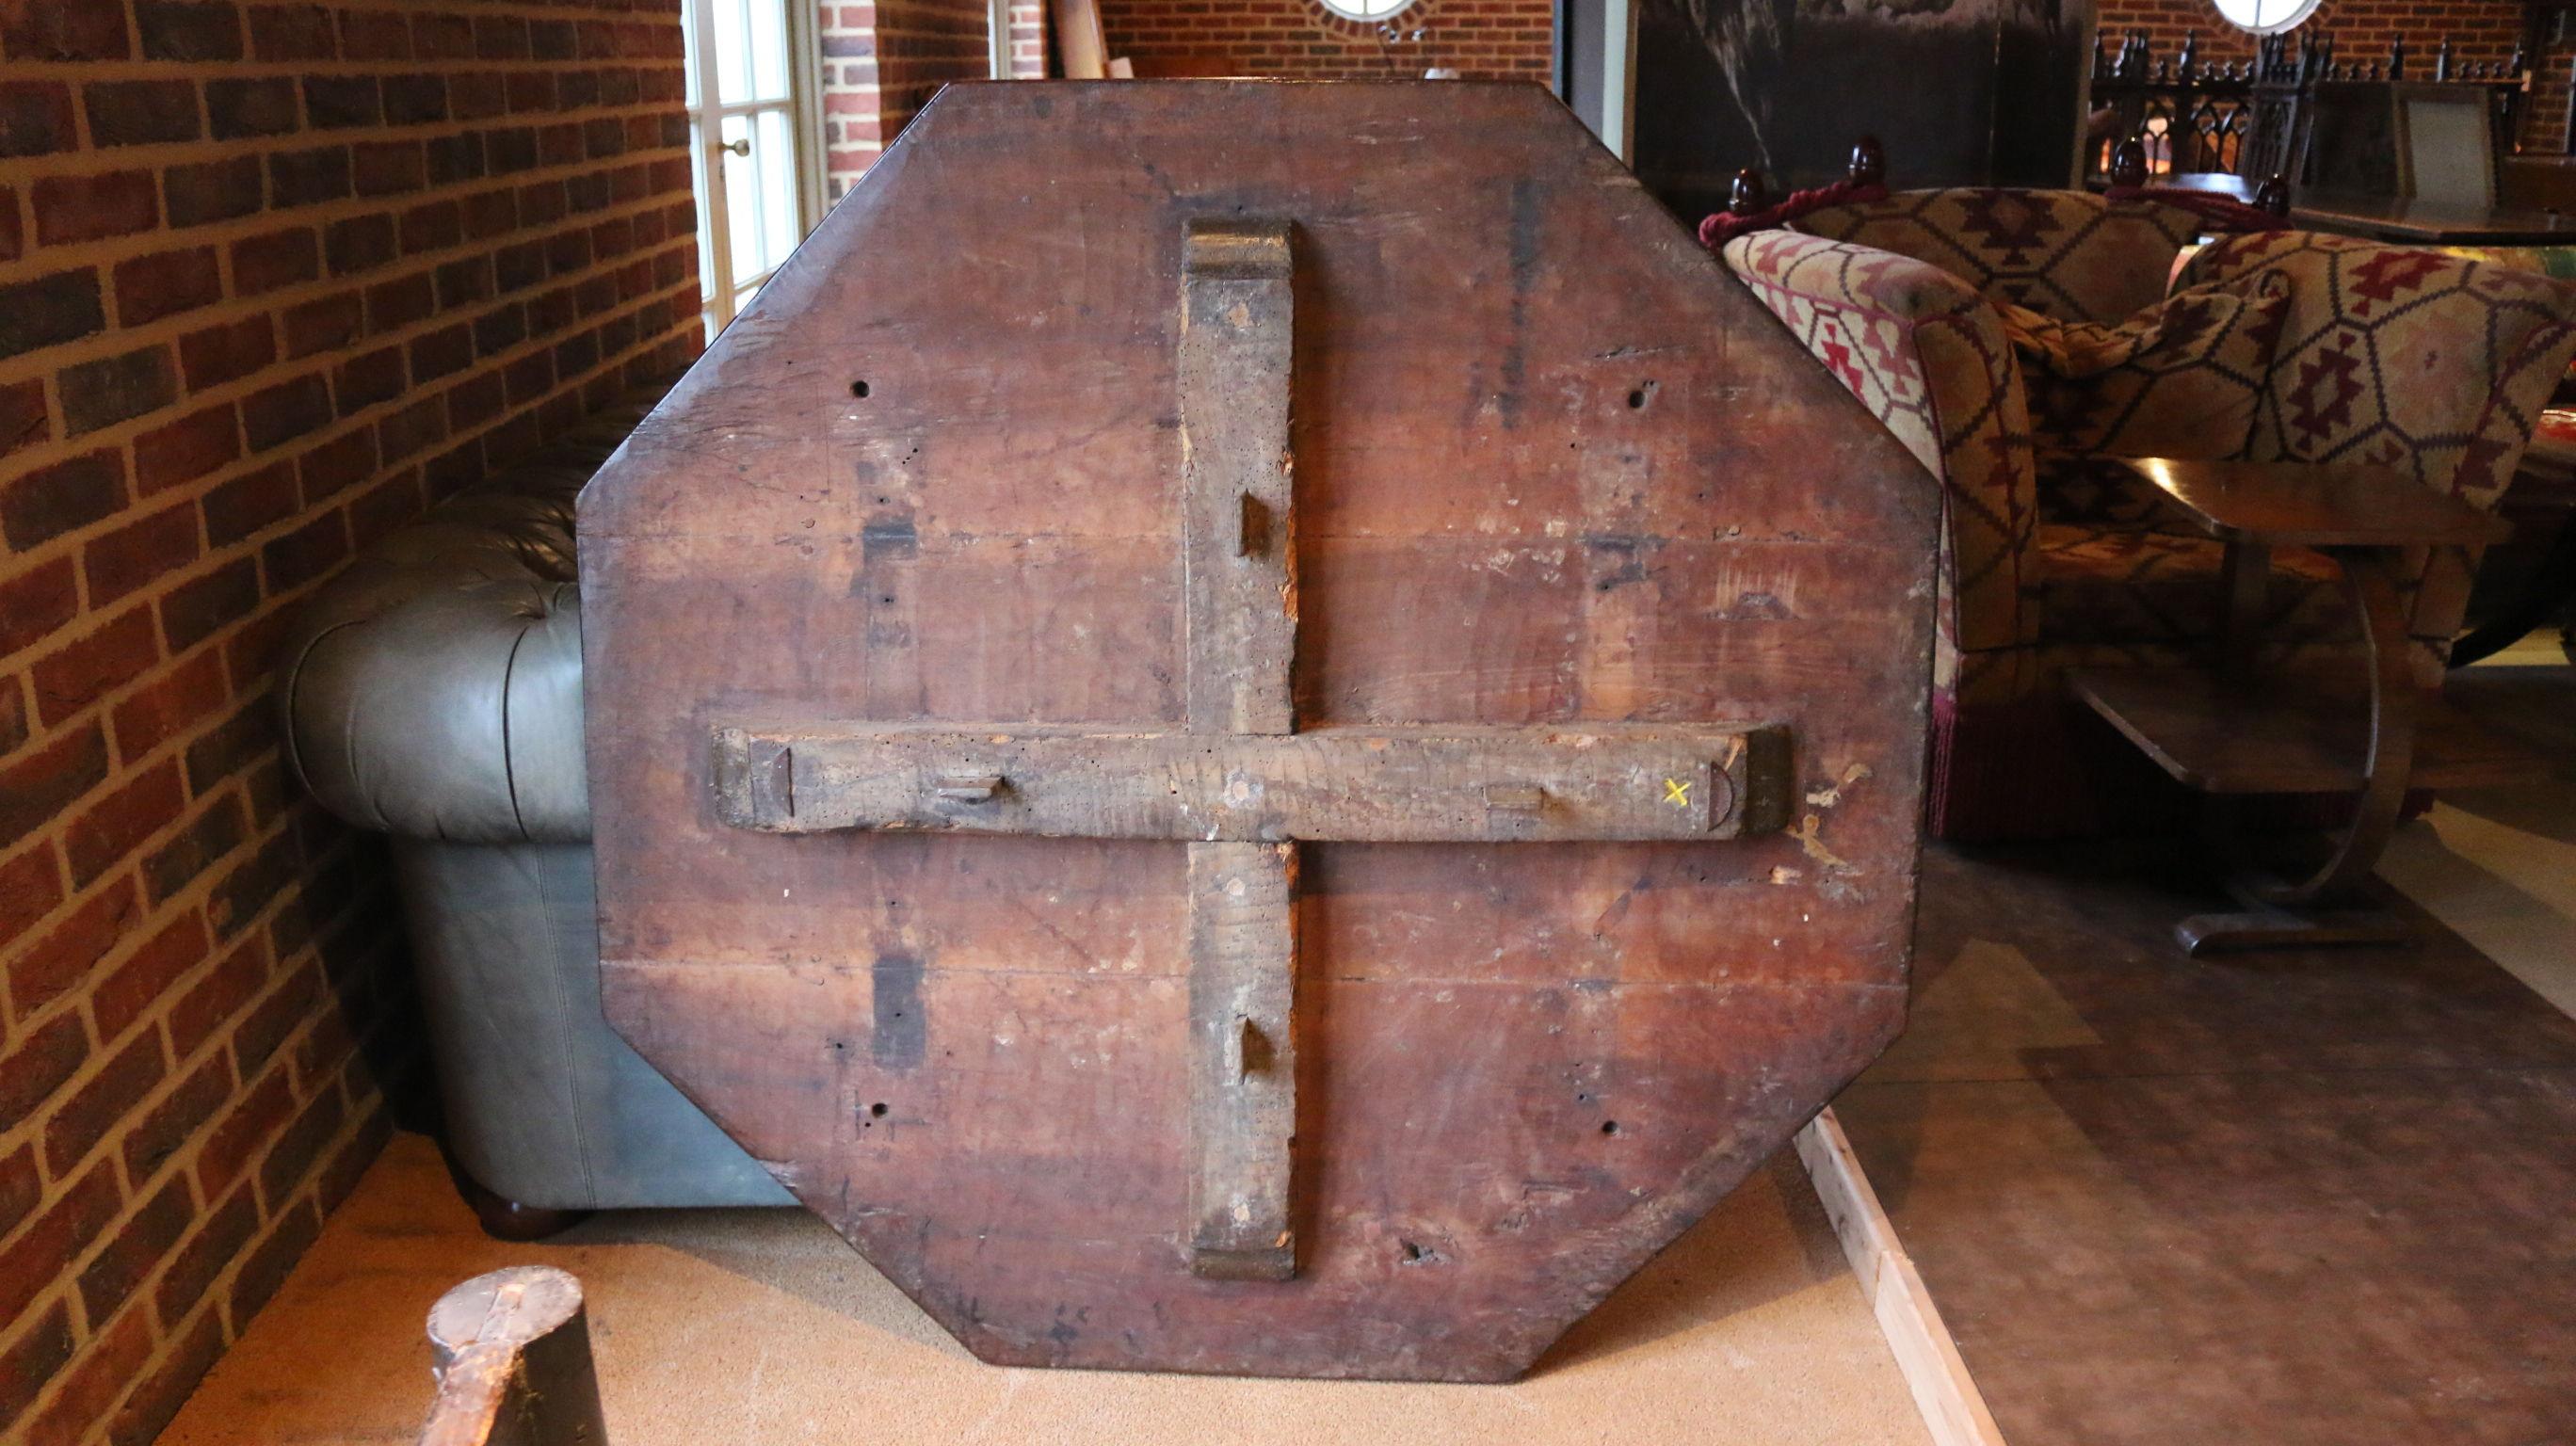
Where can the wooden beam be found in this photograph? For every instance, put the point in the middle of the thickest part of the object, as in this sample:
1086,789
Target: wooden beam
1243,1066
1432,785
1953,1410
1238,309
1237,314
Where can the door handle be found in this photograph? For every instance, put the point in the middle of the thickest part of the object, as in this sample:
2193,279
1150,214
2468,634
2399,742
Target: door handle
740,148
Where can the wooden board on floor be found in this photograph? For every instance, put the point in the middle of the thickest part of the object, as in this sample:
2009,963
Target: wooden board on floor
1953,1411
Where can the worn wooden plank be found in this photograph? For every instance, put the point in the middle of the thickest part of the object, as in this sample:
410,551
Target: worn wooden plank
1237,314
1448,785
1238,566
1243,1059
1953,1410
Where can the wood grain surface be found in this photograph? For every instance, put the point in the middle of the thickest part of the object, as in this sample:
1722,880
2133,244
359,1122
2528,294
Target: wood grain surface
1553,468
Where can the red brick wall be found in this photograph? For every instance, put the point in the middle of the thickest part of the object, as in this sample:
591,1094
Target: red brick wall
882,62
1484,39
2544,114
851,134
921,46
1028,40
273,277
2480,30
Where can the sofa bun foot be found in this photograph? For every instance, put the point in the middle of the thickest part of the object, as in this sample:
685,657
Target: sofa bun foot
506,1219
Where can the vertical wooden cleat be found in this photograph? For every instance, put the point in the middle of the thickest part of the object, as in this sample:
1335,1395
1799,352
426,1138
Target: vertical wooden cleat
1243,1064
1237,320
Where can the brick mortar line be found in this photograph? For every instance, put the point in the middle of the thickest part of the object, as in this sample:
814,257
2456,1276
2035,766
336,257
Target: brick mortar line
231,393
209,558
217,1293
282,1060
78,76
83,163
103,252
169,747
194,895
76,73
175,746
46,363
111,341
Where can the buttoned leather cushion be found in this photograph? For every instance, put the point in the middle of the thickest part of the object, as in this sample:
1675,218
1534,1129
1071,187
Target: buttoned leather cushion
433,690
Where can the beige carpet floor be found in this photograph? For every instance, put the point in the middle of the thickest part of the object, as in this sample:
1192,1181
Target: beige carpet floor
721,1327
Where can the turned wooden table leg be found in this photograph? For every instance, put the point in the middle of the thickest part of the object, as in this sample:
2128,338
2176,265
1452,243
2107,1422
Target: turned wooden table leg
2329,904
512,1357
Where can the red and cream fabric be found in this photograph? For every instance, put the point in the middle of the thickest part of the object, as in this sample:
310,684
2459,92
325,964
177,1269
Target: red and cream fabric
2066,254
2179,379
1928,357
2437,365
2332,350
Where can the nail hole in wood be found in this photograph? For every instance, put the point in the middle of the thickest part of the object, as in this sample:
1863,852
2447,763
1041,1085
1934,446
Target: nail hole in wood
859,390
1609,1127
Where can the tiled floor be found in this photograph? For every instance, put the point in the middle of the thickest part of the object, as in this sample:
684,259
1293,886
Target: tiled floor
2293,1198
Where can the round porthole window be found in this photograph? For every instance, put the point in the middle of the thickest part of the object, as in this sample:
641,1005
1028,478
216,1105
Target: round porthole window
1368,10
2266,17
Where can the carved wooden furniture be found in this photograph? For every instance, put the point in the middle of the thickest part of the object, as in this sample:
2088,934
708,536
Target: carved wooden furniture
2239,725
1256,728
2296,109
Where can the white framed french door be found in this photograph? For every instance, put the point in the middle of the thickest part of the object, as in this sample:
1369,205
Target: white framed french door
753,142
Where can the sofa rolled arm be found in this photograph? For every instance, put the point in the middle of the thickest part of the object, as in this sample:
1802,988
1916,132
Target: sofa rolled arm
454,714
433,690
1929,358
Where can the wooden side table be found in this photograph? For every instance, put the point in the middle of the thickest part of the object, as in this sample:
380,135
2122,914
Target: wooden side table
2234,728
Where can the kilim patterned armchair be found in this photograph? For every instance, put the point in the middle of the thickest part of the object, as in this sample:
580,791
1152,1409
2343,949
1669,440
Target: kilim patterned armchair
2435,364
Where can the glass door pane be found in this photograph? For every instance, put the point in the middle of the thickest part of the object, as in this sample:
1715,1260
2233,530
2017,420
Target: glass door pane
689,43
768,51
742,198
733,48
698,185
750,160
777,157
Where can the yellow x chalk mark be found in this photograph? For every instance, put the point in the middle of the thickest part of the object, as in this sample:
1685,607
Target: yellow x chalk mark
1677,793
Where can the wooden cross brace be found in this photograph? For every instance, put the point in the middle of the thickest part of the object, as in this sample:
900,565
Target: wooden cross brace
1239,783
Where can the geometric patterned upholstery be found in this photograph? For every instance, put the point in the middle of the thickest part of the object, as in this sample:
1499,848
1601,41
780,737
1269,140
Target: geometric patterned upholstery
2179,379
2067,254
1927,356
2435,364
